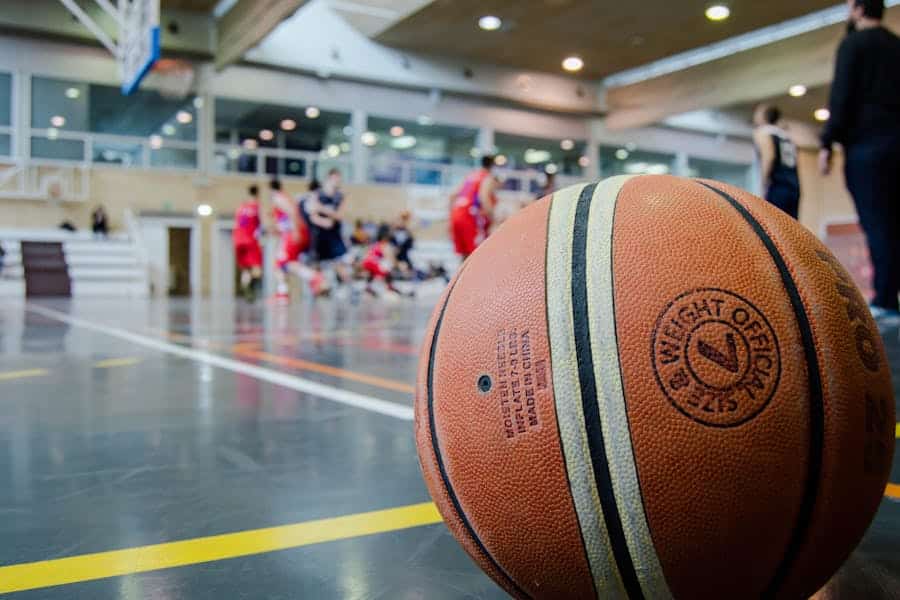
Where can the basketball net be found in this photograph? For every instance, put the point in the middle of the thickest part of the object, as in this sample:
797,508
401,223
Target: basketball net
173,77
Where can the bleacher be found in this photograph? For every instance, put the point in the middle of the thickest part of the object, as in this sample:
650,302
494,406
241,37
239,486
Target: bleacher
97,267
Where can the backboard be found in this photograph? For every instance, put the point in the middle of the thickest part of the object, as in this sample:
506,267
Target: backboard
139,41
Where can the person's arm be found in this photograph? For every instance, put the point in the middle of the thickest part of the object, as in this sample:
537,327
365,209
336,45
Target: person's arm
338,214
840,104
766,146
289,208
486,192
456,193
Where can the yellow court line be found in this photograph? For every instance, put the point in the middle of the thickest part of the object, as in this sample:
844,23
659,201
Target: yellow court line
101,565
110,363
892,491
20,374
897,431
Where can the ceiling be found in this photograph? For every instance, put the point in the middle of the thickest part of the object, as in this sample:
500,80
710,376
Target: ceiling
610,36
199,6
794,109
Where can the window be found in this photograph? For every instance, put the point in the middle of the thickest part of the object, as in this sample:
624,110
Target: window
628,160
418,152
550,155
732,173
145,128
5,114
293,141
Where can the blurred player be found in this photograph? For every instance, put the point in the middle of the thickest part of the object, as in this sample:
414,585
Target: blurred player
326,213
378,262
473,208
403,241
778,160
294,239
247,251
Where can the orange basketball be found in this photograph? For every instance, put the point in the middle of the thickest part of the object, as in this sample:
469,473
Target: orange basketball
654,387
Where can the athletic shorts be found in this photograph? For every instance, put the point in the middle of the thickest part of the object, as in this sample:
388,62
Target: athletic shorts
464,230
249,255
289,252
374,268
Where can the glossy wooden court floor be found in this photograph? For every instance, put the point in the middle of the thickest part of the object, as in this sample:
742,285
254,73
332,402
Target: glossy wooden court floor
165,450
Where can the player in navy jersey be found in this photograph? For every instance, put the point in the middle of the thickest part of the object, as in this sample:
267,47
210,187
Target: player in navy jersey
778,160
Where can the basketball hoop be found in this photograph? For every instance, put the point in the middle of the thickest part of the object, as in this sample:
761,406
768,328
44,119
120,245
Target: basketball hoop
173,77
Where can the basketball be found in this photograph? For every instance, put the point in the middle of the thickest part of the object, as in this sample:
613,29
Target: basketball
654,387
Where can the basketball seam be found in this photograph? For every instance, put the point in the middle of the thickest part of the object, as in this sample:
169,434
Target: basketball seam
440,462
591,411
558,430
817,405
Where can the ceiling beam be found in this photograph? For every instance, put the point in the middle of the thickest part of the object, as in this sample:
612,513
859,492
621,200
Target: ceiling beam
739,78
246,24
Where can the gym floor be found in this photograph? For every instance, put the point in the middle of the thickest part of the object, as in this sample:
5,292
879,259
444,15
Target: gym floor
182,449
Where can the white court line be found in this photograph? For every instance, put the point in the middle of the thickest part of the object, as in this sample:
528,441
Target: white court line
383,407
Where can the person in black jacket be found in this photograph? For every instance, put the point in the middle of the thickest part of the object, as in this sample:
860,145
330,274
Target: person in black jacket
865,118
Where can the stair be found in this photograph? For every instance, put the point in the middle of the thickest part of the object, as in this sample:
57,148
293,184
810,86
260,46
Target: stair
45,269
107,267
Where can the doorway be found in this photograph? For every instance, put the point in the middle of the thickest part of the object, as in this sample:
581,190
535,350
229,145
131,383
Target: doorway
179,261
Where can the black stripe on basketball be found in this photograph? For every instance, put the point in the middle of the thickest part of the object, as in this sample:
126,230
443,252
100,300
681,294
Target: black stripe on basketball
562,454
589,404
816,402
440,461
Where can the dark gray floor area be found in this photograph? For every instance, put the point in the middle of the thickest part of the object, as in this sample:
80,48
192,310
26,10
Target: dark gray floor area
95,459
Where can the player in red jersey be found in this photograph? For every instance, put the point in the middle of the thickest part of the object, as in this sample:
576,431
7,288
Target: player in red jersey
294,239
473,208
378,262
247,251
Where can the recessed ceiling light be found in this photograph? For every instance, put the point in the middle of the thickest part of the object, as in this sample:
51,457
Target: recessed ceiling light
312,112
584,161
822,114
572,64
490,23
797,91
397,131
500,160
72,93
58,121
368,138
266,135
622,154
348,131
156,142
168,129
288,124
333,151
345,147
567,145
250,144
551,169
184,117
204,210
718,12
233,153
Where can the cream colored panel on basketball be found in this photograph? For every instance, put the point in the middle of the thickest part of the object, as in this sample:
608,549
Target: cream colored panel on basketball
568,403
610,397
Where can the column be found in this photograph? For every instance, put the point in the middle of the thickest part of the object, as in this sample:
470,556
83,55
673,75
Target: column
359,153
